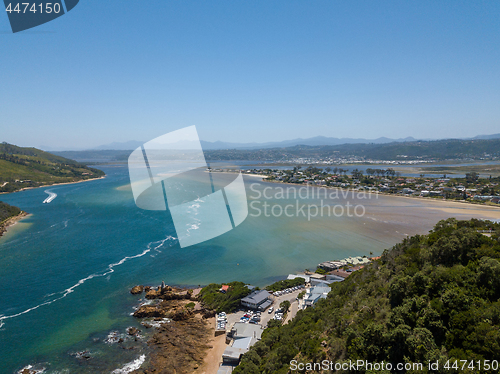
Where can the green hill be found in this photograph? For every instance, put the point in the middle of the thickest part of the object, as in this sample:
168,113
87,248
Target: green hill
30,167
431,298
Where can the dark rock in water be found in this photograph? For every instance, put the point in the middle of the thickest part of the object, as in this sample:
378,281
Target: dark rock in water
132,330
147,288
146,325
28,370
82,355
149,311
113,337
137,290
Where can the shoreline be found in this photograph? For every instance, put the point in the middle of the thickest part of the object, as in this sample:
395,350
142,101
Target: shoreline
9,222
53,184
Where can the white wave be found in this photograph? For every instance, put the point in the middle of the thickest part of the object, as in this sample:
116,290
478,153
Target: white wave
131,366
70,290
157,324
113,337
51,197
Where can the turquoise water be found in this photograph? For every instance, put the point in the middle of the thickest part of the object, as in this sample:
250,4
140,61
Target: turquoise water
65,271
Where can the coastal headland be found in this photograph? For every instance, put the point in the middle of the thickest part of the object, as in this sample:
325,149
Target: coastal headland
4,226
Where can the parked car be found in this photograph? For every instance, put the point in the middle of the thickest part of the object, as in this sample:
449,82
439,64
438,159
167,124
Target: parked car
270,310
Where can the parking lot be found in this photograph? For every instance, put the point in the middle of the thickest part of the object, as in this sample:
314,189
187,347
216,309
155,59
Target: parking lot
265,316
277,300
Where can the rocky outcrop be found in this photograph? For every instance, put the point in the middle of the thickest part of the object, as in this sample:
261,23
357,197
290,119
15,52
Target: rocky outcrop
137,290
133,330
153,294
178,348
146,311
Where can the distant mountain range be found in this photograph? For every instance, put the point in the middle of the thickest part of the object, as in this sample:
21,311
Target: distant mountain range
315,141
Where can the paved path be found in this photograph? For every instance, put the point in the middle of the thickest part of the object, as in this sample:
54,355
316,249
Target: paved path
292,312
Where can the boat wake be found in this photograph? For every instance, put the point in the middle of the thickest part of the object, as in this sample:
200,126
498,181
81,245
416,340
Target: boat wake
51,197
110,269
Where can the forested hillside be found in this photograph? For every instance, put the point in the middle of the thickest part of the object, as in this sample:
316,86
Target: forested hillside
31,167
7,211
430,298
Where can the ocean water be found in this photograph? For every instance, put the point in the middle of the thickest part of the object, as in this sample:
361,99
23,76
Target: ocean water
66,270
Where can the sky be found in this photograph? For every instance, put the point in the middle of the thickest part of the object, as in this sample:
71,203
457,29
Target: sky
251,71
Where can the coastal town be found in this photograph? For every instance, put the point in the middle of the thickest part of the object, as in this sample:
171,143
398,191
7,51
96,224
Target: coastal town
471,188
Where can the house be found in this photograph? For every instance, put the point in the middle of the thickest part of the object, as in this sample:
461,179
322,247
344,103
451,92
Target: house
257,300
243,335
483,198
321,282
314,294
232,356
330,265
332,278
224,288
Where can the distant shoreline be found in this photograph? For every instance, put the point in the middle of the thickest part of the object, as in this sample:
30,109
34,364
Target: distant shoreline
54,184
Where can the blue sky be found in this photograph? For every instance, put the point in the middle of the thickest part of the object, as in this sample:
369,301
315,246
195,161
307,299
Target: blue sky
252,71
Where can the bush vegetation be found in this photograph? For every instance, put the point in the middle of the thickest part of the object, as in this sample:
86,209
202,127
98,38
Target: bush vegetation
7,211
284,284
228,302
